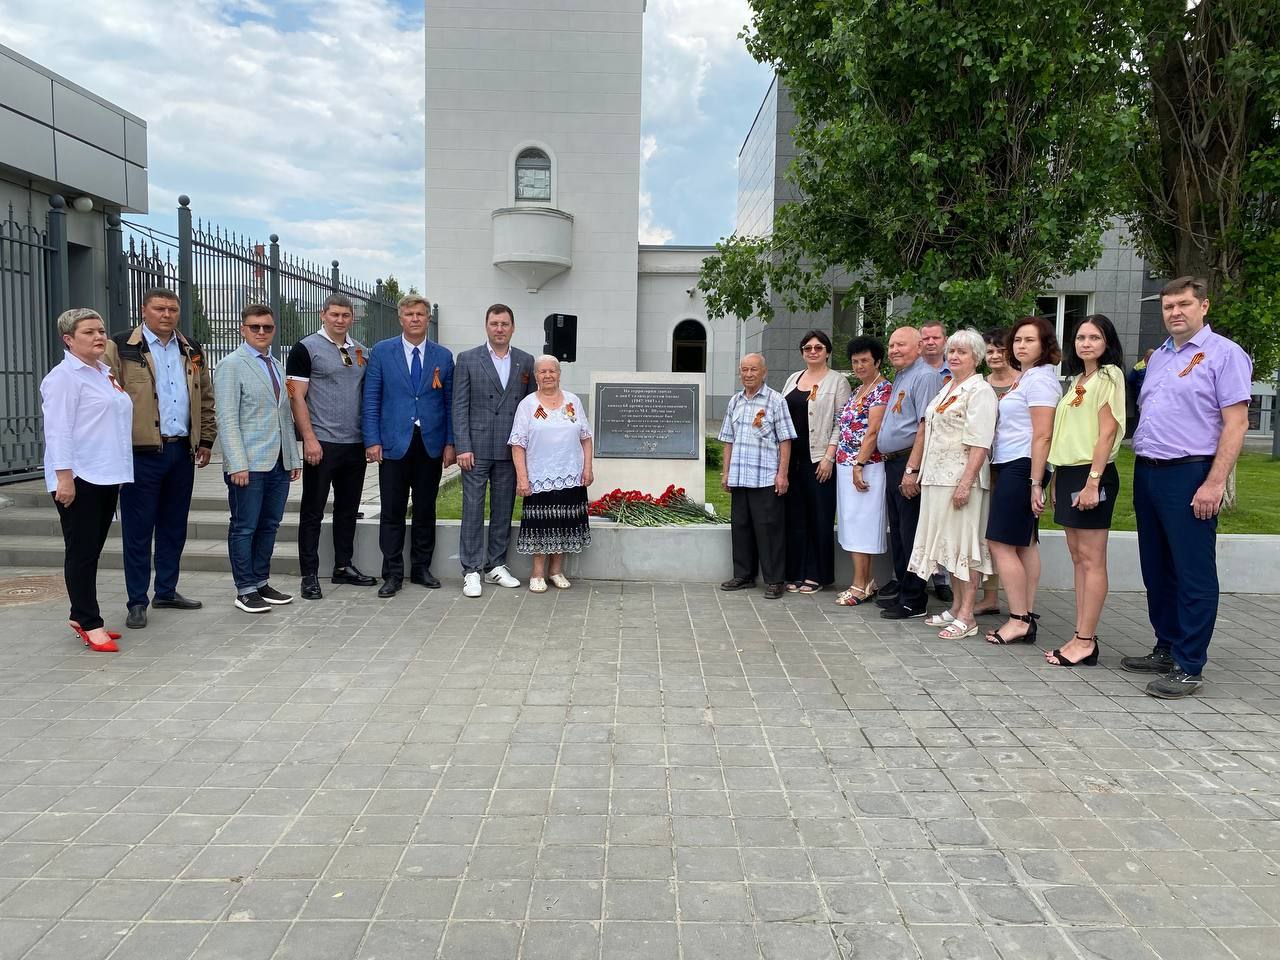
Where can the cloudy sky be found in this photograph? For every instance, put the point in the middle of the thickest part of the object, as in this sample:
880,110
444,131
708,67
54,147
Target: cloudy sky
305,117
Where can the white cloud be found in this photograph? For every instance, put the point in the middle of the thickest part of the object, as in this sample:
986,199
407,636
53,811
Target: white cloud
684,40
306,117
650,232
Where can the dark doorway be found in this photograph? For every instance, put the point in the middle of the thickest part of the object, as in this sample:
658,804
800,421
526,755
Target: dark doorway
689,347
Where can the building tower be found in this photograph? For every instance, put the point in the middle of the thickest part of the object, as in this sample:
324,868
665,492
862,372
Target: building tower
533,171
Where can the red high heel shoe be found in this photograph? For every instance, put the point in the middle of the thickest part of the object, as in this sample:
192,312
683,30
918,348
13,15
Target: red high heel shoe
75,628
108,647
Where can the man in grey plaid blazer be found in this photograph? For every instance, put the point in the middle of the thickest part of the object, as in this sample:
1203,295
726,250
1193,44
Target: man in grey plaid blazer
489,381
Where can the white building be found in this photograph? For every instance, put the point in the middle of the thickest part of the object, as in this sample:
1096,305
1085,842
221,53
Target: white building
533,184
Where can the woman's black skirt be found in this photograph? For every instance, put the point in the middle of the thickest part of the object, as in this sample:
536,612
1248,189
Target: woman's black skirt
1071,480
1011,520
554,521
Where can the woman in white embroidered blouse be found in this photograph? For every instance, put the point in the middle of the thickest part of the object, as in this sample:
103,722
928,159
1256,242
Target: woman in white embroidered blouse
955,482
551,449
88,454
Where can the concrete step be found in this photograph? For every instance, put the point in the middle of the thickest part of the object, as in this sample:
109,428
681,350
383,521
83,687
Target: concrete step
22,495
205,553
42,521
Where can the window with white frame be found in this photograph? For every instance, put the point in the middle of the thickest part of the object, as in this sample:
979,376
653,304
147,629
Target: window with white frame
533,176
1064,311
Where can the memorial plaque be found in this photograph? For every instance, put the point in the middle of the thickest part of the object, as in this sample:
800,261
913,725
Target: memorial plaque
656,421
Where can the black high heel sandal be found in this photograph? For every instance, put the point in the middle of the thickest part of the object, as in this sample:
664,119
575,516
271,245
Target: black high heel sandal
1089,660
1029,637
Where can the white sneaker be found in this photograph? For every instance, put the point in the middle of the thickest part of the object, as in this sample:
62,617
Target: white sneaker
501,576
471,584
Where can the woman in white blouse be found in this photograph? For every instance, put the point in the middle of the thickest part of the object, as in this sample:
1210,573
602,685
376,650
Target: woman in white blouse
88,454
551,449
954,483
1024,426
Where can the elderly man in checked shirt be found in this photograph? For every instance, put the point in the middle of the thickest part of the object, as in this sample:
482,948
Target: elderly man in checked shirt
757,434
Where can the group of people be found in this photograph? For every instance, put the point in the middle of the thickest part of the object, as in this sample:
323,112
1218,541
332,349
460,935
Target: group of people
950,471
946,470
129,418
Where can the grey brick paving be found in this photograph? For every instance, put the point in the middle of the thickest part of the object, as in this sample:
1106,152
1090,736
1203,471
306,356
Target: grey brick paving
627,771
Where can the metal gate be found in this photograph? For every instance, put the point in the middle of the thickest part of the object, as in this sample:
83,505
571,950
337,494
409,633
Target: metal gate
25,339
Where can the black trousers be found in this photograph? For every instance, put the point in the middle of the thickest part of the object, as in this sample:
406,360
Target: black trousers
903,514
341,467
417,472
758,519
84,531
811,525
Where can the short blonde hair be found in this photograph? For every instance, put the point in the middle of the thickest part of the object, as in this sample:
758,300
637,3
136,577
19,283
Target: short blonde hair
412,300
69,320
969,340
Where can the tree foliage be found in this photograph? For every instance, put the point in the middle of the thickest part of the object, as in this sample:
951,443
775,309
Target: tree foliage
961,152
1205,170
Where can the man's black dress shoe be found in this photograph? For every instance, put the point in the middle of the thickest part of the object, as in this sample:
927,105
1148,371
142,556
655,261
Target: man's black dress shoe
738,583
901,612
176,602
137,616
423,578
390,587
773,591
311,588
943,592
350,575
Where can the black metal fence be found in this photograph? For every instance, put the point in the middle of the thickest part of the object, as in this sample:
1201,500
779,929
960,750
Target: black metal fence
216,273
25,342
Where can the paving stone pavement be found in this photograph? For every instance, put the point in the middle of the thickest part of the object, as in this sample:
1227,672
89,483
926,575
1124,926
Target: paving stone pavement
644,771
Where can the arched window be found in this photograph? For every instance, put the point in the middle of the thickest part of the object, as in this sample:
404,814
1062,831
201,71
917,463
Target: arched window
689,347
533,176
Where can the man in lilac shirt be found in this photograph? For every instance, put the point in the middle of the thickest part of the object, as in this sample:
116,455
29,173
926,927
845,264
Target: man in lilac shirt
1193,416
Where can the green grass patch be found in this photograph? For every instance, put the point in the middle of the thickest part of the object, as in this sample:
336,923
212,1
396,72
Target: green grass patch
1257,507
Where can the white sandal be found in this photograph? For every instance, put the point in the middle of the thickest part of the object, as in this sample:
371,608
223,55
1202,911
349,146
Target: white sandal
560,581
957,630
939,619
537,585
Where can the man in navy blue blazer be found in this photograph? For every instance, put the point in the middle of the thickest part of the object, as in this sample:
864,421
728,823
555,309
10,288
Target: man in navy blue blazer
408,430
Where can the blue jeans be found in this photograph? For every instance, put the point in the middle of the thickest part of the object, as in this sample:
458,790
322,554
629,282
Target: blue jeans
256,510
157,502
1179,562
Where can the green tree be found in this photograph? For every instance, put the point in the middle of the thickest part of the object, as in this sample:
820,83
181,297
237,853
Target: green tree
1205,172
200,326
959,152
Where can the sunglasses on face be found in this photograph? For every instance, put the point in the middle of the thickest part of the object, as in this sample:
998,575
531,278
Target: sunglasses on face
812,348
260,327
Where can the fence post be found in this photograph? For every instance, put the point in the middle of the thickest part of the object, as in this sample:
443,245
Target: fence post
273,288
335,278
117,276
375,326
185,287
59,274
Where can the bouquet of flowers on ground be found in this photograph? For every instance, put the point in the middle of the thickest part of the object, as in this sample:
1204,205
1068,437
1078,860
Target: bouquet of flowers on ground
638,509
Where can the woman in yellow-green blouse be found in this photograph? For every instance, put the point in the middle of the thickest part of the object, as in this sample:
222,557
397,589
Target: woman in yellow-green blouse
1087,429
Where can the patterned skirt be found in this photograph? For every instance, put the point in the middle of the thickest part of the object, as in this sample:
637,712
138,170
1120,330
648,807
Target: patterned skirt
554,522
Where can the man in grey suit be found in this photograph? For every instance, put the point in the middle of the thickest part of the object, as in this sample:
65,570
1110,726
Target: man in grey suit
489,381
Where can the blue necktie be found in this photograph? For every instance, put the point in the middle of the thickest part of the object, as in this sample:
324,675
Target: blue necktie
415,371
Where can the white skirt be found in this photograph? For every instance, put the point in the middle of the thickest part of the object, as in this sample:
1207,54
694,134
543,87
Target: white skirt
950,539
861,516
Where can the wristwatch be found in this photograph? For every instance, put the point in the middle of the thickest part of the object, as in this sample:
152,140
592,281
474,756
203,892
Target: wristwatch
1094,475
911,470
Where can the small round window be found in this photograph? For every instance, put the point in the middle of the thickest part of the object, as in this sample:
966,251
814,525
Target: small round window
533,175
